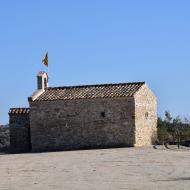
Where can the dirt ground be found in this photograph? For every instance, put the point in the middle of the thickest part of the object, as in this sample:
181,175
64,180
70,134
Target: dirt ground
105,169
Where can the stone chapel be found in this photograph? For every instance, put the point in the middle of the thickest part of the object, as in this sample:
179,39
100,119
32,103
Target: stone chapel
83,117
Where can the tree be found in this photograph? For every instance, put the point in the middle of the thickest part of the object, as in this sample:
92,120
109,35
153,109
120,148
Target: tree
168,117
173,130
178,129
163,134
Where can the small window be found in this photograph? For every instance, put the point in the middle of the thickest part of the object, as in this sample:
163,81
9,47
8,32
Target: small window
146,115
103,114
45,83
39,82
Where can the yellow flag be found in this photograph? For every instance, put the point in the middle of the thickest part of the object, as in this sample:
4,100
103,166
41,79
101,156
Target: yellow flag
45,60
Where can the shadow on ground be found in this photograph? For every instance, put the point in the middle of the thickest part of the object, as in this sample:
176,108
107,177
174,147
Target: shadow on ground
176,179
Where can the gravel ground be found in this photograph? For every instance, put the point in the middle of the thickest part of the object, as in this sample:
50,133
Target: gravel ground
106,169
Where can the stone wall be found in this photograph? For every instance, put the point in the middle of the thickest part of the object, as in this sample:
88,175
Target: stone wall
145,117
87,123
19,132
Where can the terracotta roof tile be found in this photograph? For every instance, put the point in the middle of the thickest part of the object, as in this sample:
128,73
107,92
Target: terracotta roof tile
16,111
90,91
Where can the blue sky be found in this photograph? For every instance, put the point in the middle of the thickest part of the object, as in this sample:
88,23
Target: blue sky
93,42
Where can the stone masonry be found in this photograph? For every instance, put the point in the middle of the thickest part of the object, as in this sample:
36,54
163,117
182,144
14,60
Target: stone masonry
145,117
76,124
19,129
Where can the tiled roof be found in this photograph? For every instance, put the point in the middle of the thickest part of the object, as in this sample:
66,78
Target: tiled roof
16,111
90,91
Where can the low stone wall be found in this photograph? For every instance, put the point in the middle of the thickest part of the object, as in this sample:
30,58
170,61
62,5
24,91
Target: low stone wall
20,133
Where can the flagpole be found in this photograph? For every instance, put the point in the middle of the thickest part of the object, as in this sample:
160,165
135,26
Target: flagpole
45,62
48,67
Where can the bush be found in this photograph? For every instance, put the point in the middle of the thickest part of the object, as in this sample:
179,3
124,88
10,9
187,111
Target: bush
173,130
162,133
4,138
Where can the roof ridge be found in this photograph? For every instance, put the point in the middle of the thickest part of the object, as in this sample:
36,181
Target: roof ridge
19,108
97,85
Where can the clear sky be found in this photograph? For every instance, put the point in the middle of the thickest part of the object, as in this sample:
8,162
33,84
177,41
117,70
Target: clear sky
94,42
